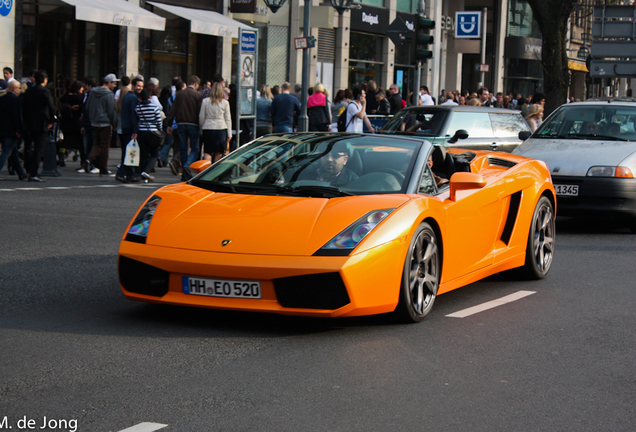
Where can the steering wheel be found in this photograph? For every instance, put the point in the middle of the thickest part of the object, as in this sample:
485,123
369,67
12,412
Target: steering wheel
398,175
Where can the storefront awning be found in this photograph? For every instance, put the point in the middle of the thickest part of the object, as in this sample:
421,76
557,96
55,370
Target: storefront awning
116,12
577,66
205,21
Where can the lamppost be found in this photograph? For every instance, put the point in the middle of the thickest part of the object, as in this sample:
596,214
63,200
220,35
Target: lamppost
341,6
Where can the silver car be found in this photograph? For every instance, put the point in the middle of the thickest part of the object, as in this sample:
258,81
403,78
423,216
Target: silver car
590,148
478,128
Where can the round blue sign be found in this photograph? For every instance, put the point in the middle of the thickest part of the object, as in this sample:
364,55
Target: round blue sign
5,7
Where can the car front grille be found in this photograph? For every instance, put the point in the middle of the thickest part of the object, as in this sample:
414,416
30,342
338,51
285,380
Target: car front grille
140,278
315,291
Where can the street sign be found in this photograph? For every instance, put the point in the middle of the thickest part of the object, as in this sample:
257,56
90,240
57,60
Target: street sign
484,68
397,31
612,69
467,25
301,43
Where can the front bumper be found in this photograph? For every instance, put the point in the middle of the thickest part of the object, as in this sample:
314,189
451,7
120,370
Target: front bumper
598,196
291,285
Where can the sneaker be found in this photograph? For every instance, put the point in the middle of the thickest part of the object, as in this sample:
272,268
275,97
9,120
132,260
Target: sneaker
121,179
86,166
147,176
80,170
94,170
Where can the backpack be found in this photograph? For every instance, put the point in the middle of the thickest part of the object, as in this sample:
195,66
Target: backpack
342,120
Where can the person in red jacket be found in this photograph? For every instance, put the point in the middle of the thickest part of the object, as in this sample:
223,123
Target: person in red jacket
318,110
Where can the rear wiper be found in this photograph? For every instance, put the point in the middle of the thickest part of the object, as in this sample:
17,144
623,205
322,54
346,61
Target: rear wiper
315,191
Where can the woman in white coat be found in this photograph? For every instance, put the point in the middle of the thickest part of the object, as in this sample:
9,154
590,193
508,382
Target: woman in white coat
215,121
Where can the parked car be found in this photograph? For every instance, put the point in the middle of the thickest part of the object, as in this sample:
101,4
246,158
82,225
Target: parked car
338,225
590,148
468,127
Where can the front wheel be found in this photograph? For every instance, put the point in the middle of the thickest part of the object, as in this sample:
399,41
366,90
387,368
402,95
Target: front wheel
421,275
540,249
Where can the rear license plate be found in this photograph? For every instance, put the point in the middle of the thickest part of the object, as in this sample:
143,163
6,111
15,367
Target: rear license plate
221,288
567,190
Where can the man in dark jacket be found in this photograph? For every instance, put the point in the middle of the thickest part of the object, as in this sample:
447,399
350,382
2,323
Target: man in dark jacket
395,99
128,126
284,107
103,113
10,125
38,114
185,109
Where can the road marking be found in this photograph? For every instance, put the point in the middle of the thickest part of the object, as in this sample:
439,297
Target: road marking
491,304
140,186
145,427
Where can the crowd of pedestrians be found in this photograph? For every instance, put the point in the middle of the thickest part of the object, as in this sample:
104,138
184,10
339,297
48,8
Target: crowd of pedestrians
183,122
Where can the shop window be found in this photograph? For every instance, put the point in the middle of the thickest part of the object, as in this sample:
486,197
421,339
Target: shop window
404,54
373,2
408,6
365,47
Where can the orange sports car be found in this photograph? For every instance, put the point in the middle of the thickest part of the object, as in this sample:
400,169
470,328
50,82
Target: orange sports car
338,225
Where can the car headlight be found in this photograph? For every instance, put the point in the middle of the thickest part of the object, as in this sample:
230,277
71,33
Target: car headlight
610,171
138,231
350,237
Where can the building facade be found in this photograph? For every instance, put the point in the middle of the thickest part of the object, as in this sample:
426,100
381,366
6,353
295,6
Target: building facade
166,38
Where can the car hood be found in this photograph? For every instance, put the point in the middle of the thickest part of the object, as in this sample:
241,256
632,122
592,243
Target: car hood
575,157
192,218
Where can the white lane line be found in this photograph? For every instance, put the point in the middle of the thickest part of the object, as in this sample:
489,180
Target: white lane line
144,427
58,187
491,304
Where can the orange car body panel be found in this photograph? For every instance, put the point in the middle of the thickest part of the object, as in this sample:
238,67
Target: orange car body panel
276,236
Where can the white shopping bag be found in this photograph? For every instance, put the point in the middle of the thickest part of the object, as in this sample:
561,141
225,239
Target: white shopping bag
132,153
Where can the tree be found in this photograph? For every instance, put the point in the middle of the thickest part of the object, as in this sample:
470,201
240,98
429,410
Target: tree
552,18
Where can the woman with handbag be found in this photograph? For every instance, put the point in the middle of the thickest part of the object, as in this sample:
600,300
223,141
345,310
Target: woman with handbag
215,121
149,135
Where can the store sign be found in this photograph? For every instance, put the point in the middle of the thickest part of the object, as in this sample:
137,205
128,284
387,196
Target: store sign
370,20
5,7
409,20
243,6
523,48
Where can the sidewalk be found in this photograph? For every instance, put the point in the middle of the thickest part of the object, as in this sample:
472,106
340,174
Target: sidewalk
70,176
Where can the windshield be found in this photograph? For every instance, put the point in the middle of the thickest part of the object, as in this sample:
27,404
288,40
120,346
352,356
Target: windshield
417,121
591,121
317,165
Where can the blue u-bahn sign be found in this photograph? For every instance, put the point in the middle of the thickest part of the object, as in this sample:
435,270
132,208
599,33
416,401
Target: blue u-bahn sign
467,24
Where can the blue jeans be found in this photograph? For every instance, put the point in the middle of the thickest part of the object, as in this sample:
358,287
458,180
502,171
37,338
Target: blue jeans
186,131
283,129
165,149
9,144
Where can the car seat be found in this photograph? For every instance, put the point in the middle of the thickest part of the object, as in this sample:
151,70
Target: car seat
443,164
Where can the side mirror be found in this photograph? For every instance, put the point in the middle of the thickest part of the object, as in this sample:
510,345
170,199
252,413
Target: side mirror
465,181
199,166
524,135
460,134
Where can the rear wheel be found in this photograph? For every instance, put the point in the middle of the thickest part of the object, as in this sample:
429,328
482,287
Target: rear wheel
540,249
421,275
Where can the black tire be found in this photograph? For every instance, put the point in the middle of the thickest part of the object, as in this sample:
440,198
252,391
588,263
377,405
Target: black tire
420,277
540,248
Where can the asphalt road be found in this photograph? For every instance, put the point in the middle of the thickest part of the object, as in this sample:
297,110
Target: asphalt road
75,353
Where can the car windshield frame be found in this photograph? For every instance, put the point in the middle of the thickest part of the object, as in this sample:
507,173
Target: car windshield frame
299,165
590,121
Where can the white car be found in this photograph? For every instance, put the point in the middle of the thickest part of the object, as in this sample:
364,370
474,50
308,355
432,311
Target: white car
590,148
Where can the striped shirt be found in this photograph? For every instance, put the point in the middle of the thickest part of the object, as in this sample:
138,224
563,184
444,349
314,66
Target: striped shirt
149,116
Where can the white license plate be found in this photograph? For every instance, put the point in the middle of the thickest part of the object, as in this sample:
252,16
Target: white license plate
566,190
221,288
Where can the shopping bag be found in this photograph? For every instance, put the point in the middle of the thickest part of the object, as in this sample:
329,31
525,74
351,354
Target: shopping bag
132,153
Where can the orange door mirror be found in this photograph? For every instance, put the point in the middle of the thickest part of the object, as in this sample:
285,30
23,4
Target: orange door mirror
465,181
199,166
